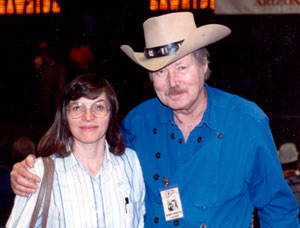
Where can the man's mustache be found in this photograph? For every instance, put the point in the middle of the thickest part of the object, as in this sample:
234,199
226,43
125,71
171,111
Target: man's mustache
173,90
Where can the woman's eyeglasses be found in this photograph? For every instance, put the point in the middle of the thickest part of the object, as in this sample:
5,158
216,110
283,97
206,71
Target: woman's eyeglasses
98,109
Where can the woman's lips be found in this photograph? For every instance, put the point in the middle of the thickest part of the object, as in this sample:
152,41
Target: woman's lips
88,128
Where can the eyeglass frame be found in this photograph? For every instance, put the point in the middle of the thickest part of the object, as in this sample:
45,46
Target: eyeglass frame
73,104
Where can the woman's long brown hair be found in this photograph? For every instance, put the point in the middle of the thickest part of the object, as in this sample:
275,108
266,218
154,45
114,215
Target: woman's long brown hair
59,138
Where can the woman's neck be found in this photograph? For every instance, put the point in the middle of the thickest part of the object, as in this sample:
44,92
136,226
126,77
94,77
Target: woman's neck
90,155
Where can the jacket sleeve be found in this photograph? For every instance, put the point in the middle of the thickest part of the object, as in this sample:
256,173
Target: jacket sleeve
268,189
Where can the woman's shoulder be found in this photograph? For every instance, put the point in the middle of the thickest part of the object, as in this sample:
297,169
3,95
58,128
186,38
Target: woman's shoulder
129,157
38,168
130,153
38,164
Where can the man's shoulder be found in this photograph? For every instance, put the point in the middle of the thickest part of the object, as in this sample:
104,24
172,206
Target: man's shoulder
235,104
150,107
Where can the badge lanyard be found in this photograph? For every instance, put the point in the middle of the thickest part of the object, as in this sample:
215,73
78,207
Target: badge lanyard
171,201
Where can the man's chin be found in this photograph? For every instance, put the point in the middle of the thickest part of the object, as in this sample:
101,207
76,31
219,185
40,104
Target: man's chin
176,106
174,103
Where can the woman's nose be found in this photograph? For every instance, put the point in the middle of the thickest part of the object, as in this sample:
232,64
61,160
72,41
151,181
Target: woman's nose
88,115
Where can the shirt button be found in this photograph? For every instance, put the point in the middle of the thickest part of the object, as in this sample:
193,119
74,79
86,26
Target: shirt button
157,155
199,139
172,136
176,222
180,141
154,131
156,220
220,135
156,176
203,226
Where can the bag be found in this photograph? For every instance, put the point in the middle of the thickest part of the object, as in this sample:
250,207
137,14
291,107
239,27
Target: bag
45,191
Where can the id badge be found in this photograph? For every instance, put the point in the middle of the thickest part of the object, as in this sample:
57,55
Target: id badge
171,203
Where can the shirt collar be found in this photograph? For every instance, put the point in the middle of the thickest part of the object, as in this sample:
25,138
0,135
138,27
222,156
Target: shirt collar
209,114
72,160
167,115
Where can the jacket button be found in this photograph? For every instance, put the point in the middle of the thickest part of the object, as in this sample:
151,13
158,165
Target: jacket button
199,139
156,176
180,141
156,220
172,136
203,226
157,155
176,222
220,135
154,131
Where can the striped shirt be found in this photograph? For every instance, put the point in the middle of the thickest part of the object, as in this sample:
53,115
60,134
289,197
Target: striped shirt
114,198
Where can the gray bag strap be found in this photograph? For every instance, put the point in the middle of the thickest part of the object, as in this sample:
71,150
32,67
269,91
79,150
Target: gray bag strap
45,191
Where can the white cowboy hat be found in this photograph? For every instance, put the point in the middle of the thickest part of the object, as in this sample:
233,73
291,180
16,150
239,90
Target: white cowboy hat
172,36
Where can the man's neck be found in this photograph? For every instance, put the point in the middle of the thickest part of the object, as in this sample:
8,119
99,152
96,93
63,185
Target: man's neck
187,120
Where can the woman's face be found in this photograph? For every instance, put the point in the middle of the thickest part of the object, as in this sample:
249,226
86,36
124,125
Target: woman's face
88,119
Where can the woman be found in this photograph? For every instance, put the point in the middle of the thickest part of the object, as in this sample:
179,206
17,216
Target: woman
97,181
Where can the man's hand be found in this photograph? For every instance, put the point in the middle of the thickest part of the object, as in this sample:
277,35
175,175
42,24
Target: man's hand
24,182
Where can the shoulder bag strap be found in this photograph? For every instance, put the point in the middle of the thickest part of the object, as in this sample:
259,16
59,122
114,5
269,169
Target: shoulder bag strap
45,190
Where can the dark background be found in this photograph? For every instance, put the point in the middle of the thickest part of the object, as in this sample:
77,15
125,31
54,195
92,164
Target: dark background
258,61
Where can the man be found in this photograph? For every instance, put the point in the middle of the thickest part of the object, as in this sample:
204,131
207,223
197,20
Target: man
211,151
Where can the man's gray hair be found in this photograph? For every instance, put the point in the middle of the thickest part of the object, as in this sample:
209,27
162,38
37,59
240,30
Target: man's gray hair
202,56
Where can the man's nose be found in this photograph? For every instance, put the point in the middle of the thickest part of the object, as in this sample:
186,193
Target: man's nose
172,78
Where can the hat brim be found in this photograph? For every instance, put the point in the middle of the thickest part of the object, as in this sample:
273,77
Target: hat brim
200,37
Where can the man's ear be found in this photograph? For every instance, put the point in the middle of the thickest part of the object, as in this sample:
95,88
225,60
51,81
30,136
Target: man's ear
205,67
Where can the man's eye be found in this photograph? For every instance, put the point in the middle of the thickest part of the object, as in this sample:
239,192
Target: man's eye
160,72
181,68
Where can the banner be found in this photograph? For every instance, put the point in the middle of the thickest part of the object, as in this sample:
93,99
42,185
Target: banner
257,7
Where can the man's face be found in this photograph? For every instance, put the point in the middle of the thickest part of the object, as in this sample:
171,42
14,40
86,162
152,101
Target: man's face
180,84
